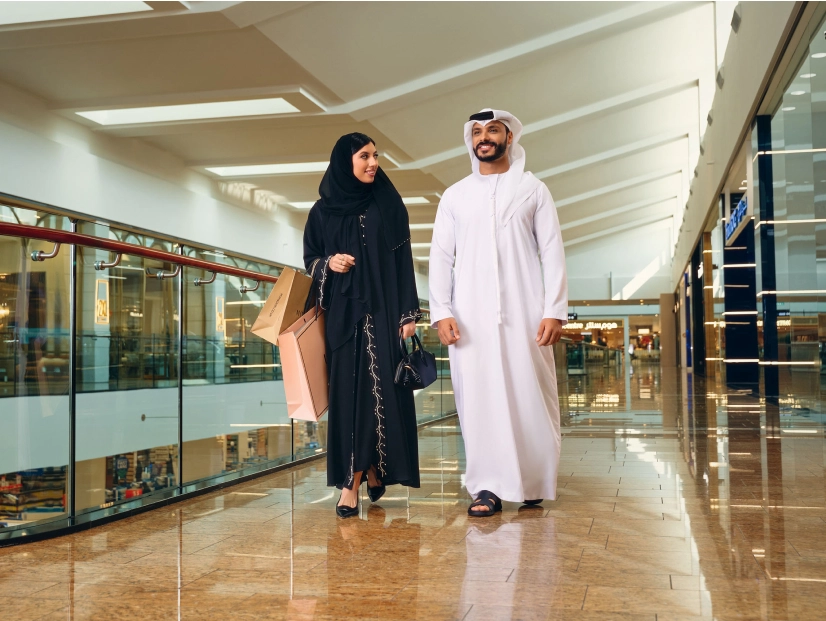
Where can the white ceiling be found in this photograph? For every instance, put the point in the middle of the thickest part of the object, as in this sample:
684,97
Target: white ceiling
613,95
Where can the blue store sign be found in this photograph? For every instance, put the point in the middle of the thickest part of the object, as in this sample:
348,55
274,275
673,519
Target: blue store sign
738,215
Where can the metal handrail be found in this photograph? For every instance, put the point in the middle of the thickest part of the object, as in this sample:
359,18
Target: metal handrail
39,255
103,265
245,289
205,281
160,275
89,241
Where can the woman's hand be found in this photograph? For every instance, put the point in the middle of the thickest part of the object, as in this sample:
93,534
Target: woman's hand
408,330
341,263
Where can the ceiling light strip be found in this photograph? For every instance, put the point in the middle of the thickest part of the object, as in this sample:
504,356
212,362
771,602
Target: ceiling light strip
190,112
256,170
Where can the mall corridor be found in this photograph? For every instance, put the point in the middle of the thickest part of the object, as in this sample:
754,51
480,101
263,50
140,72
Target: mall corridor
619,204
677,501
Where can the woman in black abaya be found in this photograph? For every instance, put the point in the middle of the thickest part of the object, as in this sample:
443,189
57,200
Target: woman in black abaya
357,250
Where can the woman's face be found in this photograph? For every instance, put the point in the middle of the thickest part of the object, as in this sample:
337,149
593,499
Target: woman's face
366,163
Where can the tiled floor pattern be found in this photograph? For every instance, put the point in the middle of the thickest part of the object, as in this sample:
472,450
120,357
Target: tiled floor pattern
675,503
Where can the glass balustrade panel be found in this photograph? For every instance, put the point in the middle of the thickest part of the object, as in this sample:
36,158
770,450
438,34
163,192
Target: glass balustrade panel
127,379
34,376
235,410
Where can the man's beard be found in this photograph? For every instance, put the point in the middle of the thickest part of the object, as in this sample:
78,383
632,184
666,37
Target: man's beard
500,148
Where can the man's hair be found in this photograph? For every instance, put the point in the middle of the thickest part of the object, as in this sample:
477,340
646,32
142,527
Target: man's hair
359,141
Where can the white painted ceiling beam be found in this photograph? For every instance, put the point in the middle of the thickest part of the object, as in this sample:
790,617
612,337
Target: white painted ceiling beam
618,211
482,63
665,220
615,187
625,100
612,154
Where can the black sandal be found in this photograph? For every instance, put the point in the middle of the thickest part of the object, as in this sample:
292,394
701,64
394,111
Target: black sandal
486,499
532,503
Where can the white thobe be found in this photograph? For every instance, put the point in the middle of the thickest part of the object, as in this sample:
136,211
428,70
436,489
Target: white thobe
499,270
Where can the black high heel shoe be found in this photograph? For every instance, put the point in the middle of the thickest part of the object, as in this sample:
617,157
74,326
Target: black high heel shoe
343,511
375,493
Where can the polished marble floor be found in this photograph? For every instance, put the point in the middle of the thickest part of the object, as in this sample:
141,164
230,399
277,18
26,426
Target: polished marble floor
678,500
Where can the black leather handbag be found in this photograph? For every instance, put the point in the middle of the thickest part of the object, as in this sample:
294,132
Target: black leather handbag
417,369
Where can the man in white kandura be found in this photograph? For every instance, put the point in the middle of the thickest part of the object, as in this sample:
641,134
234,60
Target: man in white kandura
499,298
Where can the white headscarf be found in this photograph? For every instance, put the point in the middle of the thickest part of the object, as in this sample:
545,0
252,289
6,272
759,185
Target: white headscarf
515,151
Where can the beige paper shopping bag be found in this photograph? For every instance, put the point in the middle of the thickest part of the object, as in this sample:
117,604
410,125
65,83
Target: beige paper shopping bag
303,352
284,306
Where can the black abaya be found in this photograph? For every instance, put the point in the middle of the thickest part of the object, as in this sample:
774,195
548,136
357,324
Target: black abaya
372,422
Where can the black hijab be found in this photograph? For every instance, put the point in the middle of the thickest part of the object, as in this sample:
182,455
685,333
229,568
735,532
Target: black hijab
344,199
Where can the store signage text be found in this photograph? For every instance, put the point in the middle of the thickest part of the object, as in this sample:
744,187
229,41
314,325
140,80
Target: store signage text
736,217
101,302
592,325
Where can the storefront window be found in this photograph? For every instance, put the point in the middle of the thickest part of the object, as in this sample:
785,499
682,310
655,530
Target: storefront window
798,189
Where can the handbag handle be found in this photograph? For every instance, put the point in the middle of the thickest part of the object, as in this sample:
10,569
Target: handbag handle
417,344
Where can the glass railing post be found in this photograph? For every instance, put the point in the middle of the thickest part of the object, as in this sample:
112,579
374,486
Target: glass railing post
180,365
71,495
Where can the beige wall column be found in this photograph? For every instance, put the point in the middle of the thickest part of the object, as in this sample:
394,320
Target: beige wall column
90,483
668,331
708,306
203,458
279,441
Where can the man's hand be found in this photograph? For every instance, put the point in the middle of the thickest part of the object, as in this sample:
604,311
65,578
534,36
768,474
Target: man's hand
448,331
550,331
408,330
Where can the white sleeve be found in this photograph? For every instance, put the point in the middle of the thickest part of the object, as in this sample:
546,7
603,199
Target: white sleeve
552,254
442,257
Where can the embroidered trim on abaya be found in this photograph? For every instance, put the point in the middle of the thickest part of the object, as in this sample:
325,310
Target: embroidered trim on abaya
379,406
409,316
323,280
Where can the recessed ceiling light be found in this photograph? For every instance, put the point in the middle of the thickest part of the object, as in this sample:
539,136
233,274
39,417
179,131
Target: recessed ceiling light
798,93
787,108
420,227
819,55
27,12
190,112
269,169
807,76
302,204
415,200
742,187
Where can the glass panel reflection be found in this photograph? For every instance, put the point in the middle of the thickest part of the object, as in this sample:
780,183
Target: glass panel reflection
235,411
127,401
34,379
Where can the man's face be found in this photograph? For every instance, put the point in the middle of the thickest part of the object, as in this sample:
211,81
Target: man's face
491,141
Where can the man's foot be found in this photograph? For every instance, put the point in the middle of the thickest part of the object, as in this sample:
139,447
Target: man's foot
486,504
532,503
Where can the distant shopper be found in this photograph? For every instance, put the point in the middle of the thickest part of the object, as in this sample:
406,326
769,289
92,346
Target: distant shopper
357,250
498,295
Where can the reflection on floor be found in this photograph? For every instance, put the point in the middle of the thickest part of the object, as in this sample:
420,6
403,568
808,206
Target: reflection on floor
678,500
